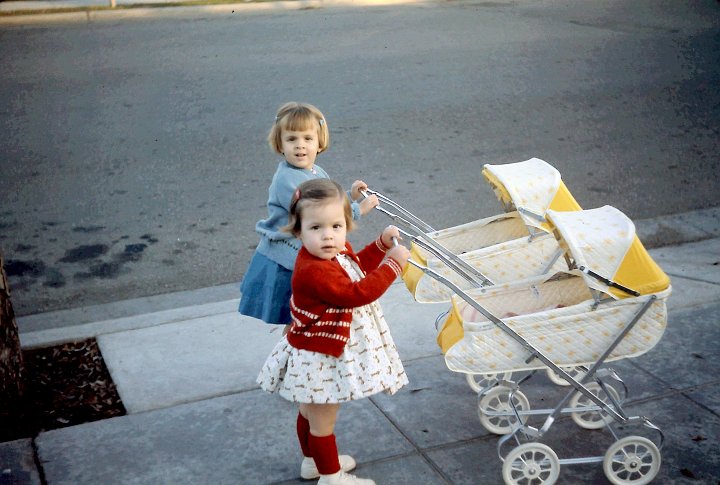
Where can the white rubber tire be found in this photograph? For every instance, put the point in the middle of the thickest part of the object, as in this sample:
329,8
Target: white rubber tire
497,400
633,460
531,463
592,419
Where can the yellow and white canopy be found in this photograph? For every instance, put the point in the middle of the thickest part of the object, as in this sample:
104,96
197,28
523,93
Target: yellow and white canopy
603,240
532,188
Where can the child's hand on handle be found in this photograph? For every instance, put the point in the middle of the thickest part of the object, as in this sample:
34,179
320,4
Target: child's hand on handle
398,252
357,189
366,204
387,236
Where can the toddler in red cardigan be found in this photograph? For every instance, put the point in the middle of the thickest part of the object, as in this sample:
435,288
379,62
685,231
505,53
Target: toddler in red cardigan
339,347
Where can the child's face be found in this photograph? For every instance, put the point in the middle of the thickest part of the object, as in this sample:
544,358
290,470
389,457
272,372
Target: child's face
300,147
323,229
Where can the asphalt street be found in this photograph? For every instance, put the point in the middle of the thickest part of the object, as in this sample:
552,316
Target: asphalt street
134,159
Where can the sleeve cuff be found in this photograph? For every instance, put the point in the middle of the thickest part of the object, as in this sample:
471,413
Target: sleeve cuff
381,245
355,210
395,266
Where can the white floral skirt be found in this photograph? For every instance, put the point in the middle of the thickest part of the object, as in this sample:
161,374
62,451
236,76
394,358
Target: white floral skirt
369,364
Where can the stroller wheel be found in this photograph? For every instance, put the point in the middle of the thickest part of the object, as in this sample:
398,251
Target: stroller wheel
496,412
480,382
593,418
533,463
632,460
576,372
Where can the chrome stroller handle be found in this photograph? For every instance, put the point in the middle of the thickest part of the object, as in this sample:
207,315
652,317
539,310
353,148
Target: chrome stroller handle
406,213
458,265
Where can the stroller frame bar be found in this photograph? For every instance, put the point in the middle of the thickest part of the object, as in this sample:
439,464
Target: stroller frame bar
532,214
580,460
543,412
462,268
593,369
416,220
534,232
552,261
607,281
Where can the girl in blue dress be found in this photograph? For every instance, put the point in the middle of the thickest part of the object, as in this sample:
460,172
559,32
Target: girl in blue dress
299,133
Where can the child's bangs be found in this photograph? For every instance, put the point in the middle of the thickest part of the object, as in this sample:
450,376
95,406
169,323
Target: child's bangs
298,122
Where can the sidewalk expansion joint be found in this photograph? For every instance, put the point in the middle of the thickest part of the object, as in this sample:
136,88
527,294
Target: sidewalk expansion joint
674,392
198,399
701,405
424,357
415,446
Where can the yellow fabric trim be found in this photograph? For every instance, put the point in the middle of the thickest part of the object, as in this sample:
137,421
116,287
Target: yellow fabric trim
500,191
411,275
563,201
452,330
639,272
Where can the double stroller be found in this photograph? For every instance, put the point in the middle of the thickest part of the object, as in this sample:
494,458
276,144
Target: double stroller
544,286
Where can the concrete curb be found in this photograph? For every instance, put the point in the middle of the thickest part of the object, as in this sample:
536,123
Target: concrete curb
21,13
677,229
69,325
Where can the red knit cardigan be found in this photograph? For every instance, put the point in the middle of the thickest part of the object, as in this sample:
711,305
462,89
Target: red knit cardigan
323,296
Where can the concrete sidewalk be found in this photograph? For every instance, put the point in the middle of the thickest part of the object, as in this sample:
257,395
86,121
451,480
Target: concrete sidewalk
186,374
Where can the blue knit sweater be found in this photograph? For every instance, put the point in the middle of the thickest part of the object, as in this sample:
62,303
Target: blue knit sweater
275,244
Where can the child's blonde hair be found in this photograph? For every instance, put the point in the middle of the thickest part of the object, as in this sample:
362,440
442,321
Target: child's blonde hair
316,191
298,117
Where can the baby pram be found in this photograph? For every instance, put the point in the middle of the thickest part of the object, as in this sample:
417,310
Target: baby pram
609,305
506,247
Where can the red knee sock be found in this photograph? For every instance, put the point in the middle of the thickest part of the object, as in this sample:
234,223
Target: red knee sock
303,432
324,451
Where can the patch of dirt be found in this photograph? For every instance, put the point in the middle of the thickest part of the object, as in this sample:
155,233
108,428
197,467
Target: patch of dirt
65,385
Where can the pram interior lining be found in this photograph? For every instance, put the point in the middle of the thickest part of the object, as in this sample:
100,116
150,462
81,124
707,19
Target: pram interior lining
459,240
480,233
551,295
514,260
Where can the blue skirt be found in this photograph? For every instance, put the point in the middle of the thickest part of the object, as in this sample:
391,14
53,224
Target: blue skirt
266,291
